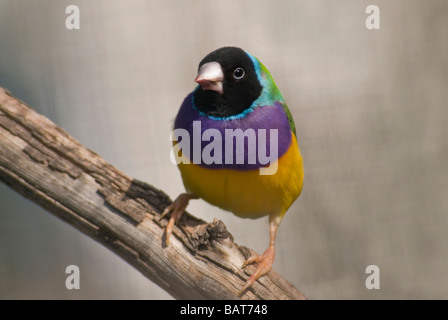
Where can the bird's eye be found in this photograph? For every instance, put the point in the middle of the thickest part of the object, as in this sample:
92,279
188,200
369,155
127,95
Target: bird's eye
238,73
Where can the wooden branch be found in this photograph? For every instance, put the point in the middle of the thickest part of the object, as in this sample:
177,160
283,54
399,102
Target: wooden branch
43,163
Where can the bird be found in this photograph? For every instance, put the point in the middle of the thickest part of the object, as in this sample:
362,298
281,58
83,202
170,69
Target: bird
235,92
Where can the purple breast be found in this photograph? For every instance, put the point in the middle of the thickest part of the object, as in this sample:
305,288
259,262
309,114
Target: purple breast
245,143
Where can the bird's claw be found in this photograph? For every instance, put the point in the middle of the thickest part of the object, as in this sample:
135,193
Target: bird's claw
177,209
264,261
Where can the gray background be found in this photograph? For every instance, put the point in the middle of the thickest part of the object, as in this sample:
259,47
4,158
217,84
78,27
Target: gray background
370,108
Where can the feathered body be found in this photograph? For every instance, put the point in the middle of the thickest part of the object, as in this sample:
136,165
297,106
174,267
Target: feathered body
237,92
240,188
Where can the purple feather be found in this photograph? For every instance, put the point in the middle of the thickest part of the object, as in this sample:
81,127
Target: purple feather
261,117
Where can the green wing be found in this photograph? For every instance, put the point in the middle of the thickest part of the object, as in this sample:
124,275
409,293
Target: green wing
290,119
272,93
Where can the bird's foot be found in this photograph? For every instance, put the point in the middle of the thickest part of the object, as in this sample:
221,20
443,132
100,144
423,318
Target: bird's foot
264,261
177,208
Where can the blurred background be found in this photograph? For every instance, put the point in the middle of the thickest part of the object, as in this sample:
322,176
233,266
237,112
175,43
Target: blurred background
370,108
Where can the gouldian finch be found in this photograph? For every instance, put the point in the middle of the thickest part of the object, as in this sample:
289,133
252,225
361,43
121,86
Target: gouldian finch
239,146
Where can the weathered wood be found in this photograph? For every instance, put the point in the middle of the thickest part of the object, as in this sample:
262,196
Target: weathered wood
43,163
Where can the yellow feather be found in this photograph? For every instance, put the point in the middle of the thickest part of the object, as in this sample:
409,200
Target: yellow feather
247,193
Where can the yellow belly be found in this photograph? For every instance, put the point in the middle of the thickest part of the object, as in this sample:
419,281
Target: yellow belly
247,193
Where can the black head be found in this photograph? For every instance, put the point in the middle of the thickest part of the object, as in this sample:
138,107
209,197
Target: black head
229,83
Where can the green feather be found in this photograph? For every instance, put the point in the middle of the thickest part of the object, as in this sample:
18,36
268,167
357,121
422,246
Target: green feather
272,93
290,119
